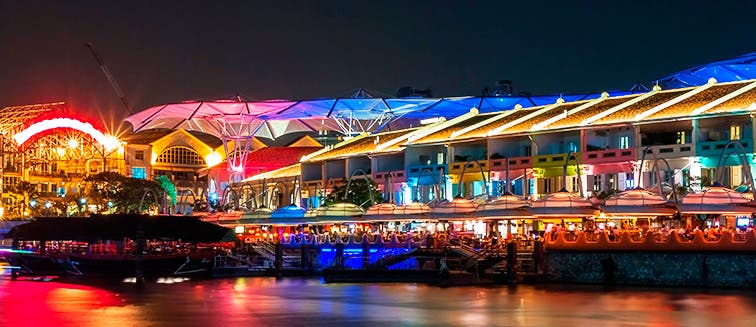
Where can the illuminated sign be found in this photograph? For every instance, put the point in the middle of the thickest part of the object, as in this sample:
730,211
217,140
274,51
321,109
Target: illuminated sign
108,141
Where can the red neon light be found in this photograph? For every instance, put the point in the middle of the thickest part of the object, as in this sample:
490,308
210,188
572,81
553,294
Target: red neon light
108,141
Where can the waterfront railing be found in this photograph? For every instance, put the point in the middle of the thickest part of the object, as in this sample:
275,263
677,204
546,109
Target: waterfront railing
650,241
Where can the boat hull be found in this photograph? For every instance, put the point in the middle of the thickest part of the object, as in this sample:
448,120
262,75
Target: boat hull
147,265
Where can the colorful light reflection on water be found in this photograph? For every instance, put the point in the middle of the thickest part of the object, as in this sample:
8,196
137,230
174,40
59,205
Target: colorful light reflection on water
307,302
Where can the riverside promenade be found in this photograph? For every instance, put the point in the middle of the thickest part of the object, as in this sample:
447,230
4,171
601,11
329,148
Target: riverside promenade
561,257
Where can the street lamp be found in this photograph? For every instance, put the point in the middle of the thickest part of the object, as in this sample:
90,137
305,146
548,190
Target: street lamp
2,166
83,202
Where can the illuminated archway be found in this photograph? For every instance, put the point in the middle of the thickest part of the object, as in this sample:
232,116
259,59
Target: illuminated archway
109,142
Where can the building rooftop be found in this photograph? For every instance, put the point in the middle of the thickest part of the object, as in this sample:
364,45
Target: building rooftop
446,133
507,117
288,171
274,157
629,113
575,118
528,124
687,106
743,102
362,144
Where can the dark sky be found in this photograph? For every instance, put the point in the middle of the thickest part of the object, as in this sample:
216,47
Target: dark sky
169,51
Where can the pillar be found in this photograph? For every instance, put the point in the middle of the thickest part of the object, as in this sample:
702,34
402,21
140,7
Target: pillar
139,262
365,252
338,261
512,261
537,255
304,256
279,258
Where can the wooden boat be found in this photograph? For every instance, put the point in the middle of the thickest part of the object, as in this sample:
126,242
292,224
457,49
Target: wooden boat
118,245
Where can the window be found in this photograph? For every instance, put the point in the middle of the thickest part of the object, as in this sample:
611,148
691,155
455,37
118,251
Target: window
180,155
526,150
629,181
440,158
424,159
735,132
139,172
597,183
573,147
681,138
139,155
547,186
612,184
624,142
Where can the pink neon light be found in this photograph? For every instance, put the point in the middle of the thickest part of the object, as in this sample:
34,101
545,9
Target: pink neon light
109,141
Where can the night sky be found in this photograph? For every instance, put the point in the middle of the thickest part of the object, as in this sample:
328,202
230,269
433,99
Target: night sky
170,51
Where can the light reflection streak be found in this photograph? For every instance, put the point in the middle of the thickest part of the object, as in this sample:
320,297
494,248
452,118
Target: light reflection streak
297,302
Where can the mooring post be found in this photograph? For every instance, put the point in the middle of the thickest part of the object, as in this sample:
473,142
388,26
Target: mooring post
537,255
279,258
139,262
365,252
339,259
304,257
512,261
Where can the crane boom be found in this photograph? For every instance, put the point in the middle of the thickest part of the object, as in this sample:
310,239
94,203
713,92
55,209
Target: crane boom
110,77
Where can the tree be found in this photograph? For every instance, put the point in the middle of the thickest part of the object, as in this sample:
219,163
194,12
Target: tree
125,193
359,193
168,187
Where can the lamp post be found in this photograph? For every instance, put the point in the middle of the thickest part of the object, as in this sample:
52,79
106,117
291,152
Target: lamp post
2,168
83,202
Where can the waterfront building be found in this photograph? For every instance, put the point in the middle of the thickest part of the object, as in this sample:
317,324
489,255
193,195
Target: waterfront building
683,139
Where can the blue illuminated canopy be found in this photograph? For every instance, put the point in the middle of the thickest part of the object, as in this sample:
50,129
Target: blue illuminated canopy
735,69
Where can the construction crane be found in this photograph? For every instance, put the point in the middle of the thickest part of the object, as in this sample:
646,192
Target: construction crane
112,80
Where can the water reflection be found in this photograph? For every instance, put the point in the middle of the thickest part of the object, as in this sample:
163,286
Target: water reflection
307,302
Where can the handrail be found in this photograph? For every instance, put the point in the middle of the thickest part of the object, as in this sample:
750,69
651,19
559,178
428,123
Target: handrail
648,242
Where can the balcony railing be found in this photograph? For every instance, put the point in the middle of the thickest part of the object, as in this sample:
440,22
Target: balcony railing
554,160
458,167
714,148
514,163
672,150
396,176
603,156
414,170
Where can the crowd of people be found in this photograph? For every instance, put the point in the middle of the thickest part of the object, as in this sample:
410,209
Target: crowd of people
686,232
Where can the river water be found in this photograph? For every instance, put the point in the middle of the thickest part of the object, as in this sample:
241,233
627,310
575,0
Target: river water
264,301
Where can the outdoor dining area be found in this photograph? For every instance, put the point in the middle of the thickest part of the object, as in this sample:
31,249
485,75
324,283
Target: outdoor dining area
635,213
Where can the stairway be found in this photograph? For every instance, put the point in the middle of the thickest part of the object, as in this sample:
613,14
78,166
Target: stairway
385,262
